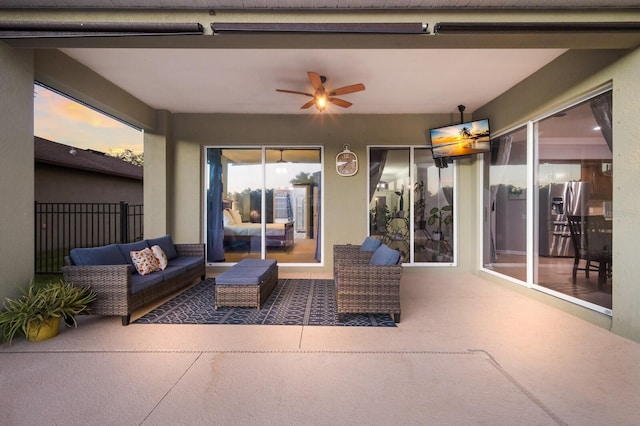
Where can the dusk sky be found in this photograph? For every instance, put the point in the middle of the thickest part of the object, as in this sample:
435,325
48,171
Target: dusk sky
60,119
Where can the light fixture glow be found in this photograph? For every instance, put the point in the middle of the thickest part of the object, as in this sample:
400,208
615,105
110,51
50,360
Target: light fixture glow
321,101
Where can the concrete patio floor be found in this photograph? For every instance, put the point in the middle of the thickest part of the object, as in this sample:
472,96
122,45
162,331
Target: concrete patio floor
466,352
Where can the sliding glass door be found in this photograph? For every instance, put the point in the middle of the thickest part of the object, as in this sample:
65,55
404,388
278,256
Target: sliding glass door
506,229
411,203
568,155
263,203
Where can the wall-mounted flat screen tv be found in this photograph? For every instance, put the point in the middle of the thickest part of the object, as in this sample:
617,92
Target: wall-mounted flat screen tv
458,140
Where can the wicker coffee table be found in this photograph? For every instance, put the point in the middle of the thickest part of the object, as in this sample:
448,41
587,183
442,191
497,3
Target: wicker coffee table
247,284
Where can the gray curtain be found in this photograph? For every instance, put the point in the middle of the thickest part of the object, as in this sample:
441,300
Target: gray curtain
377,160
602,109
215,228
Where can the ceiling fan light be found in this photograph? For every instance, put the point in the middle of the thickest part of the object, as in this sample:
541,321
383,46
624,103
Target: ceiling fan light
321,101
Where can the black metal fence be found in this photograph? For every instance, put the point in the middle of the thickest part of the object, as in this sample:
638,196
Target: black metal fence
59,227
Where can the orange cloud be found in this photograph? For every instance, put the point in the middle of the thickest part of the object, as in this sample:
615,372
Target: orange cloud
63,120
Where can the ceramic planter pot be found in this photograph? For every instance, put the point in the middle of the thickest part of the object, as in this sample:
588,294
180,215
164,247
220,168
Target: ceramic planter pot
48,330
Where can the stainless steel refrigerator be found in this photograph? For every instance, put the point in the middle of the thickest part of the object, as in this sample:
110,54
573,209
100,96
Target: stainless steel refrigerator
557,200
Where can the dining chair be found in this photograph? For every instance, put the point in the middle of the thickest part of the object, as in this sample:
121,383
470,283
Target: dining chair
591,239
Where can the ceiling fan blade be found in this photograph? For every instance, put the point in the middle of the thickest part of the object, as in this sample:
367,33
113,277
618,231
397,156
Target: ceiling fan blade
295,92
316,80
347,89
308,104
340,102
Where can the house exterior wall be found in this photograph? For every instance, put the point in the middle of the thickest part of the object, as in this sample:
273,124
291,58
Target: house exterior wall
63,185
178,143
16,169
345,197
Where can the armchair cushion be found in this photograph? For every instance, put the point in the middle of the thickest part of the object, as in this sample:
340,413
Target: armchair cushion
385,256
370,244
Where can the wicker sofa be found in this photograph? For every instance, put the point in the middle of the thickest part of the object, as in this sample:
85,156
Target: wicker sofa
362,287
120,290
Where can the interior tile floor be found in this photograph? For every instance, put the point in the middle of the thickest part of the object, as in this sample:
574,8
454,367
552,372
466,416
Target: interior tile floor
466,352
555,273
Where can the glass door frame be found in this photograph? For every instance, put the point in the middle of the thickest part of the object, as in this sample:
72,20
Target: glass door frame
263,172
532,220
412,183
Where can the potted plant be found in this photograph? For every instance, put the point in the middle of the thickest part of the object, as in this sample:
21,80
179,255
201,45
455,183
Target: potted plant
440,216
419,205
36,314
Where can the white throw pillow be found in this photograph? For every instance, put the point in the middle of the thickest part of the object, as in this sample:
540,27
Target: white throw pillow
144,261
237,219
160,256
227,218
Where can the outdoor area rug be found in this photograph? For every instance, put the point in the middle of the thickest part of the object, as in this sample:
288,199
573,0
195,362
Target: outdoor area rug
292,302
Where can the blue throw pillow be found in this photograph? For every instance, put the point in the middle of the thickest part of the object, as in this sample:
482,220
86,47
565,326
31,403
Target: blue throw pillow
370,244
385,256
166,244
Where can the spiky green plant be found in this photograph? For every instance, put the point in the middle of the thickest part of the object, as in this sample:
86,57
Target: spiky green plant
41,302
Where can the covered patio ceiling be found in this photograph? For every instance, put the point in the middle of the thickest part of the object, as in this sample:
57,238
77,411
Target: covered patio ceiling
238,73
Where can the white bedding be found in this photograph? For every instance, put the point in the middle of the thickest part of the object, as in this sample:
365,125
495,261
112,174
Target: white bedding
249,229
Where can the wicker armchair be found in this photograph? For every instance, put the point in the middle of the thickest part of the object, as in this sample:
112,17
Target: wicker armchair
365,288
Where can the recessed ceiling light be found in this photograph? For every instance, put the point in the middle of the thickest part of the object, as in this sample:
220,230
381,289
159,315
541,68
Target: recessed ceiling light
596,128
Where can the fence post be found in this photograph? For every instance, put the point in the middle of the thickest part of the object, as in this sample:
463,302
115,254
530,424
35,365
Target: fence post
124,222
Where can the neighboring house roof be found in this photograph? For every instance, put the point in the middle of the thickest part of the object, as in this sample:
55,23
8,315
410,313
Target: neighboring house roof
57,154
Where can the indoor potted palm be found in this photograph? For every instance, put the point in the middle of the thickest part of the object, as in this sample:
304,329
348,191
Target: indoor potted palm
37,313
440,216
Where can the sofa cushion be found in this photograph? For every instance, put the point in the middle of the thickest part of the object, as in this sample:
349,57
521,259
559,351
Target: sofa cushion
140,282
105,255
127,248
173,271
370,244
144,261
190,262
166,244
385,256
161,257
248,275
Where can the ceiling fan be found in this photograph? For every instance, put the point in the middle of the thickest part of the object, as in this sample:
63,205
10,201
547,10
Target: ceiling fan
321,96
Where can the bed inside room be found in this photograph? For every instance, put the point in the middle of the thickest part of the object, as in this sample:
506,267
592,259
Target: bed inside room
246,235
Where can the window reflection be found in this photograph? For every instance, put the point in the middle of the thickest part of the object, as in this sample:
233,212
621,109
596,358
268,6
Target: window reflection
507,248
574,172
396,209
575,182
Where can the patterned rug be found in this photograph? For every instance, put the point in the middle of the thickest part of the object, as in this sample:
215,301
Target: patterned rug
292,302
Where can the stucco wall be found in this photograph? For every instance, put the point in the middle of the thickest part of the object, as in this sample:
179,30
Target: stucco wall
345,198
158,159
16,165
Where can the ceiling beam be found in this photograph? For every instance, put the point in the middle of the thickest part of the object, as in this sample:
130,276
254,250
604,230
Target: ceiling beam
49,29
325,27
